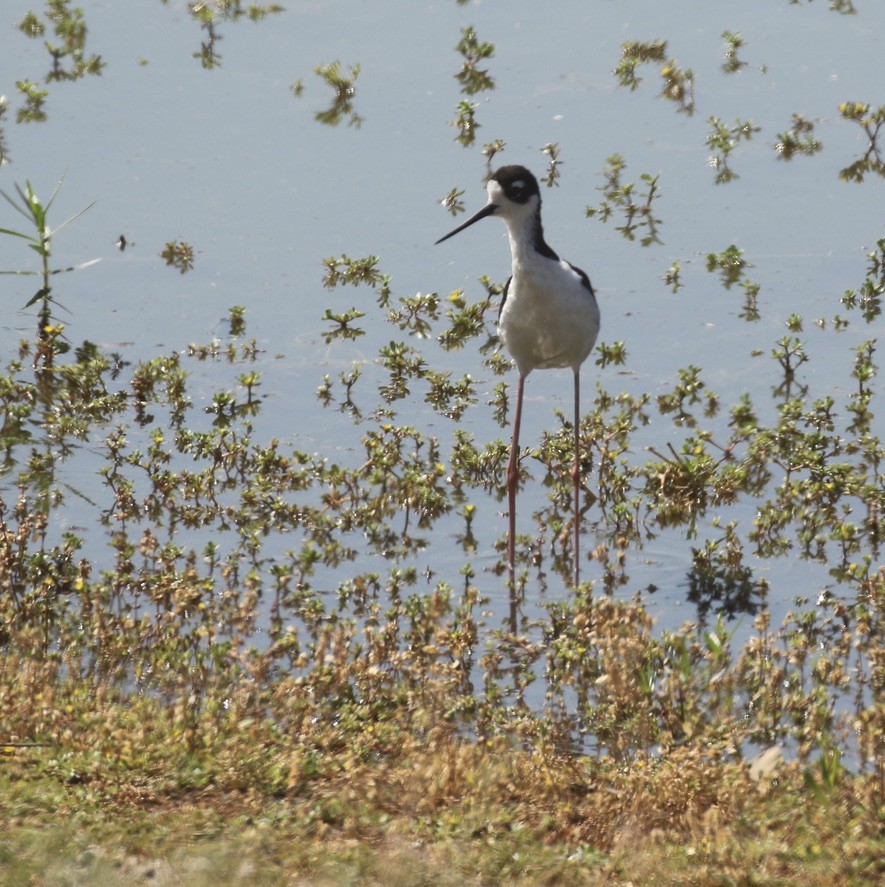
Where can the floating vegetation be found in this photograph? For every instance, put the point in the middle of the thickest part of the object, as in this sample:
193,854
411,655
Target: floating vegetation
297,642
799,139
453,202
678,83
678,86
472,80
871,121
551,177
733,42
730,264
179,254
209,13
618,198
490,149
35,98
724,140
868,297
471,77
844,7
344,89
4,152
635,53
672,277
466,123
68,54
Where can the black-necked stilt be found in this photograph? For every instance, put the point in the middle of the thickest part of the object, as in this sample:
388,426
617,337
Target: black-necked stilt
548,318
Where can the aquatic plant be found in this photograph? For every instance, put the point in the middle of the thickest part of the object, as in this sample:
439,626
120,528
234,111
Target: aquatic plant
618,196
35,212
267,626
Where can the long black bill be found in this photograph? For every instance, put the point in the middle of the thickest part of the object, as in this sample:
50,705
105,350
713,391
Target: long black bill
488,210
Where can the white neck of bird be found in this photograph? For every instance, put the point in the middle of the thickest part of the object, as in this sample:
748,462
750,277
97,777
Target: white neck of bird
526,236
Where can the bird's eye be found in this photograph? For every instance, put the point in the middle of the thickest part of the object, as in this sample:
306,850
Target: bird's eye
516,190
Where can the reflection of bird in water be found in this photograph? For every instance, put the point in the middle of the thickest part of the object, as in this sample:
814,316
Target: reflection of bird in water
549,316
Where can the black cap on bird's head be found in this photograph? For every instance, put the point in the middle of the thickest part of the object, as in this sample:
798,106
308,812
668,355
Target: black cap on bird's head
517,183
509,186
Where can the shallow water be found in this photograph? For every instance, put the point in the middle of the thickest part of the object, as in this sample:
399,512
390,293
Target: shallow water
230,161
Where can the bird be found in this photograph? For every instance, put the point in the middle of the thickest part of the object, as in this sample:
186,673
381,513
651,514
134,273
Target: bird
548,319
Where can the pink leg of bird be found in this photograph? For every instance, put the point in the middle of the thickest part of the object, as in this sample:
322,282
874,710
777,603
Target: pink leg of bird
576,473
513,483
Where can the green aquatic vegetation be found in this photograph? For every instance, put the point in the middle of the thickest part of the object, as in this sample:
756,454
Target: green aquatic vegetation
35,98
868,296
344,330
790,354
453,202
471,77
69,26
210,14
490,150
465,123
733,42
179,254
416,314
871,122
730,264
4,151
720,578
31,26
678,86
635,53
844,7
672,277
551,177
388,660
67,53
864,373
678,83
687,392
724,139
618,198
270,629
472,80
40,240
344,89
345,271
799,139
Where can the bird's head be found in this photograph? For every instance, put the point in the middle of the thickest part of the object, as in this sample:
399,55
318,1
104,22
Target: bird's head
513,195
